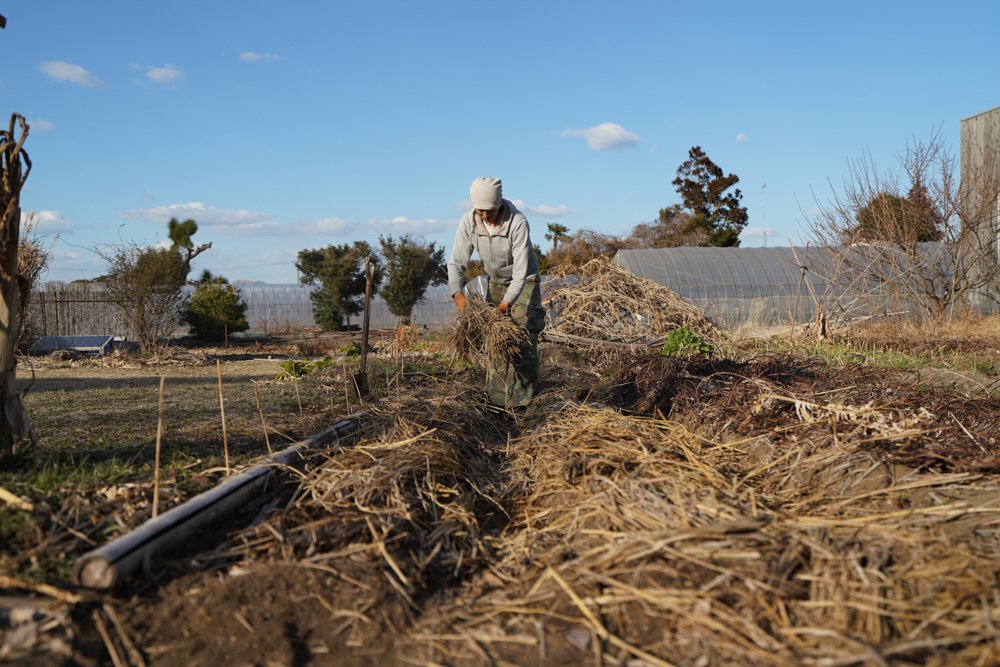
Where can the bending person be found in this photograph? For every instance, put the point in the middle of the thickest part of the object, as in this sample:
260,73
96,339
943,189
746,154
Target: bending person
499,234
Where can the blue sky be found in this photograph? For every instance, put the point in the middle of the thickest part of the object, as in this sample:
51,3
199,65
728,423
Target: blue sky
293,125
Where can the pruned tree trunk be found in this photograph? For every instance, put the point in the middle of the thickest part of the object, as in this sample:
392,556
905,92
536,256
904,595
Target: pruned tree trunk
13,416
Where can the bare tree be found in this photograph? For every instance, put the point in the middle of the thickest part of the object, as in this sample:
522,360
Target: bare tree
874,226
146,286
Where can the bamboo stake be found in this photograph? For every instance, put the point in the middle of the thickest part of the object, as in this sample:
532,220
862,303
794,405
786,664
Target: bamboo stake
267,438
302,417
222,408
156,464
347,389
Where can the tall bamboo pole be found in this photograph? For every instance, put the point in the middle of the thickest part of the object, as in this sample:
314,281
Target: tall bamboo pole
156,464
222,408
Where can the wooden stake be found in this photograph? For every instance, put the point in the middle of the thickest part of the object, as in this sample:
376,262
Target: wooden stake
222,408
262,420
156,464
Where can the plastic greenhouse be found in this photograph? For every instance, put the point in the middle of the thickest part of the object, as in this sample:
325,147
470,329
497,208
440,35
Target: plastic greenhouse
781,285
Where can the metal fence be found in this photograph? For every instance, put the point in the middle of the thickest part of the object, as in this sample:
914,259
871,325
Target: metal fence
58,309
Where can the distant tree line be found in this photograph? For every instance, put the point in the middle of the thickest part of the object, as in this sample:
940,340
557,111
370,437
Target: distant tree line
146,282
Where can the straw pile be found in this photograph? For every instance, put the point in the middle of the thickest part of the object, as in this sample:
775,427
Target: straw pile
606,302
481,330
597,537
415,492
639,541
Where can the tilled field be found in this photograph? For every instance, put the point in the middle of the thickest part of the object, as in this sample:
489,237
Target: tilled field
681,511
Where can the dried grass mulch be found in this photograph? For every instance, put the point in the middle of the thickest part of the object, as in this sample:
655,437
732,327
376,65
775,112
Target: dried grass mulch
599,536
608,303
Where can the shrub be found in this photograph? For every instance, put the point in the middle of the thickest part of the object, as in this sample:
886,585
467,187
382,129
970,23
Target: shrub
214,310
411,265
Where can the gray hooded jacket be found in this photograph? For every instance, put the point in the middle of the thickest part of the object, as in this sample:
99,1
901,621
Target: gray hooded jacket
508,255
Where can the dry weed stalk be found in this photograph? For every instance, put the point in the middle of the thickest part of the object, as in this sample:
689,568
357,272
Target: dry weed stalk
32,260
607,302
481,329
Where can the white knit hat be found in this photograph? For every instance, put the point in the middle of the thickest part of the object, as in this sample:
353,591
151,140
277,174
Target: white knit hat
487,193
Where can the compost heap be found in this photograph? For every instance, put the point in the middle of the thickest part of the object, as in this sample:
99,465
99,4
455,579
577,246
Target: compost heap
605,302
584,533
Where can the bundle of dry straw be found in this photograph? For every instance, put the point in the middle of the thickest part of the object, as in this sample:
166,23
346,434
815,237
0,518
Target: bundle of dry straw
606,302
481,329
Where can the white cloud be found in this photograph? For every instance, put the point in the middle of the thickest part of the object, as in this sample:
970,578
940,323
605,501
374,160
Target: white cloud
67,263
742,137
605,137
542,210
40,124
48,222
403,225
756,232
203,215
236,221
148,194
324,227
253,56
61,71
167,74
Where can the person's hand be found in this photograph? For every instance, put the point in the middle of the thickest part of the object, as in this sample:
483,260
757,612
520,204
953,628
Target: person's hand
460,301
503,308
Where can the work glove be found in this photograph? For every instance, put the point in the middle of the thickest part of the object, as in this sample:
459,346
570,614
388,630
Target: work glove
503,308
460,301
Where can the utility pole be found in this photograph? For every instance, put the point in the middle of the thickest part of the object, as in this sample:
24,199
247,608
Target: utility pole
763,229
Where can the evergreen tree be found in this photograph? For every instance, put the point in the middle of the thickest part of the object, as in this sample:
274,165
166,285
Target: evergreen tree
717,218
410,266
339,274
215,309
